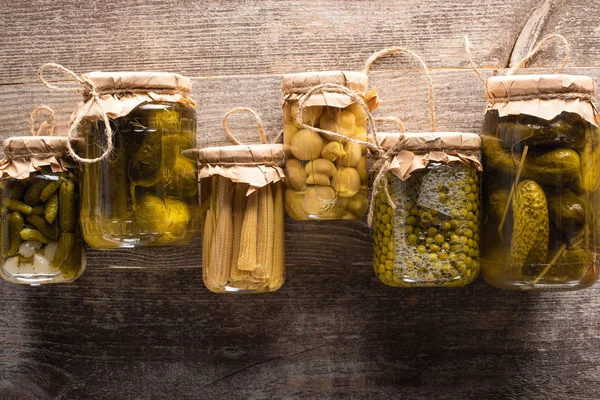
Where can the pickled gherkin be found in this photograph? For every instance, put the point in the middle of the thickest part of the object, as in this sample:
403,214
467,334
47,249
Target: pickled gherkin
432,238
146,192
34,234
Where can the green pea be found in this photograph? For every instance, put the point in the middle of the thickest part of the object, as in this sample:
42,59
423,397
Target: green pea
411,239
446,226
421,249
426,217
409,229
446,246
433,257
414,211
434,248
439,239
443,256
429,241
411,220
431,231
454,239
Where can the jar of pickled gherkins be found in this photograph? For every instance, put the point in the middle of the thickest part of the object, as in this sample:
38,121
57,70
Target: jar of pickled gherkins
542,168
426,209
326,144
242,213
39,223
139,186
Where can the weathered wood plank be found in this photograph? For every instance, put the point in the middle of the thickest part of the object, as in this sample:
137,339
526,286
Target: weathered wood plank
258,37
331,332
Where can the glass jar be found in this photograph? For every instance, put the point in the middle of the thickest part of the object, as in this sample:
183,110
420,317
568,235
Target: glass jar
145,192
326,176
242,218
542,167
432,237
39,221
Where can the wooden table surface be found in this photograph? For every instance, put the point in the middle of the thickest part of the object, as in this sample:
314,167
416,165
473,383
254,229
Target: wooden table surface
140,325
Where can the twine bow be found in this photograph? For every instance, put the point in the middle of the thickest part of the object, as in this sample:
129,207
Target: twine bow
383,159
90,91
259,123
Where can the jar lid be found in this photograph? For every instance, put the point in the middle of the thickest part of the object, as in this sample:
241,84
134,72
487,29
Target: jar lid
500,87
116,81
253,154
431,140
357,81
28,154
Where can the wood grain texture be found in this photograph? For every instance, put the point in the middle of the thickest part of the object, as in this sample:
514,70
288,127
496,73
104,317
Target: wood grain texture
207,38
140,325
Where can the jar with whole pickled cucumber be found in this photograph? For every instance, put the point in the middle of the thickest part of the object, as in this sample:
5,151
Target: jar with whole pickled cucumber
242,213
39,222
426,210
326,144
140,179
542,168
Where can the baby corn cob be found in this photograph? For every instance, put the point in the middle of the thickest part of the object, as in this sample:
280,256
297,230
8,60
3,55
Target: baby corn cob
239,201
247,258
207,236
223,235
262,236
278,272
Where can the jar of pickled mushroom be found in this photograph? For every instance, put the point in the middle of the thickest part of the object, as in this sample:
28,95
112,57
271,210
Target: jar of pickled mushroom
542,169
326,144
139,185
39,223
242,213
426,209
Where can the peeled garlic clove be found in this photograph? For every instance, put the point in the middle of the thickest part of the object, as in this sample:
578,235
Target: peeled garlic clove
362,168
41,265
29,247
346,182
295,175
318,179
50,250
318,199
332,151
11,265
328,123
320,166
26,269
293,205
353,154
306,145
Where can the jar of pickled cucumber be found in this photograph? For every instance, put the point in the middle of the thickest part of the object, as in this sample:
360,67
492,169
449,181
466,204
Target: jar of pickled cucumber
144,192
326,174
426,212
242,214
542,168
39,222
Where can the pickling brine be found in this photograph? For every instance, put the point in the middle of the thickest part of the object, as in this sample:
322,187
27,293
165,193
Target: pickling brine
146,192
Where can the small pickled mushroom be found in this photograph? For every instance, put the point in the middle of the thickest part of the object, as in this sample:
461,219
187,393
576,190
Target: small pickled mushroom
328,123
353,154
310,115
293,205
318,179
320,166
306,145
295,175
168,217
318,199
332,151
362,168
359,113
347,123
360,133
346,182
358,204
289,130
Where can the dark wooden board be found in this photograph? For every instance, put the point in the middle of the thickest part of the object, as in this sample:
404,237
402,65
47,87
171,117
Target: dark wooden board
140,325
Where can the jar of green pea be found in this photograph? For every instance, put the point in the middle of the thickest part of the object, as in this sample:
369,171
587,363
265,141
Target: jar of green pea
426,225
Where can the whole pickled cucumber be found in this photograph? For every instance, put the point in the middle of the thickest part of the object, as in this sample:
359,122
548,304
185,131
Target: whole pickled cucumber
66,202
566,130
50,189
33,194
33,234
567,211
16,224
531,230
16,205
589,179
51,209
181,179
555,167
38,210
63,250
43,226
